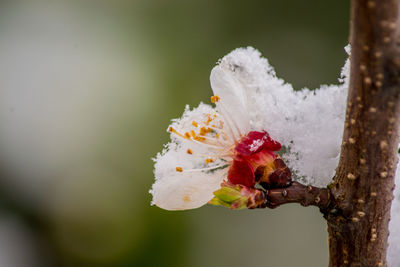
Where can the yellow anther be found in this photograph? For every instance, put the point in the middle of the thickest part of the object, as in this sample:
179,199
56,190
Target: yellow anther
192,133
208,161
204,130
194,124
215,99
199,138
189,151
172,130
187,135
209,119
179,169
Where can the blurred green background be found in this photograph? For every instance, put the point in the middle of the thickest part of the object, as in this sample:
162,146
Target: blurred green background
87,90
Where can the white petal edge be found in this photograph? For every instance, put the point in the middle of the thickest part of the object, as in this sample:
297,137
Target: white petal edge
182,191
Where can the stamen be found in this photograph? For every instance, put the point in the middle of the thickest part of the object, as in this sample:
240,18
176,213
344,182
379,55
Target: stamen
209,119
214,140
203,138
215,99
219,132
224,155
208,161
217,129
195,124
205,144
179,169
229,127
189,151
199,138
204,130
172,130
207,169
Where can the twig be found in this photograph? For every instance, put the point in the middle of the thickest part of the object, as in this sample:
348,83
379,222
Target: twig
295,193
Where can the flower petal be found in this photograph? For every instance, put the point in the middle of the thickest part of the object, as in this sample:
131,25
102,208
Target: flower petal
241,172
190,190
233,99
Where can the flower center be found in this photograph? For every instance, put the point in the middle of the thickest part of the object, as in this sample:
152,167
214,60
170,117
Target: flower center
255,162
209,131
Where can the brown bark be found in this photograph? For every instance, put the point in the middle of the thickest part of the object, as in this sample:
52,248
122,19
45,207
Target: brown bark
294,193
298,193
364,181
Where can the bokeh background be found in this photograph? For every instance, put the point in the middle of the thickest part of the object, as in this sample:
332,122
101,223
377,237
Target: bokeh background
87,90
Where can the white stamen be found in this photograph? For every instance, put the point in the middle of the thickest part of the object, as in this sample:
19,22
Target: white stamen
222,132
218,142
206,169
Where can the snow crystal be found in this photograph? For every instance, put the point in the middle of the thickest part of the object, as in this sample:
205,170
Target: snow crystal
256,145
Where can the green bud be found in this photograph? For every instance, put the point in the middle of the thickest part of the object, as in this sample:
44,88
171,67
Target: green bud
227,194
217,202
230,196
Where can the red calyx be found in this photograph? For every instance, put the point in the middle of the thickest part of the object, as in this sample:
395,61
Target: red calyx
253,150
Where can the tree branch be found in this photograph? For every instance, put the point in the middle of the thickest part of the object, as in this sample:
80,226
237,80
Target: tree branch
363,184
295,193
299,193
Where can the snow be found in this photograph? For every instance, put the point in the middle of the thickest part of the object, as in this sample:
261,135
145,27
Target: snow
256,145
